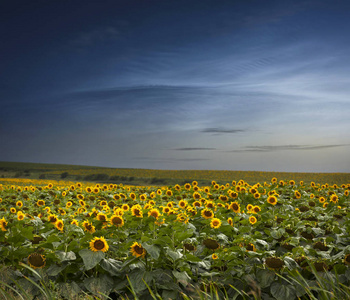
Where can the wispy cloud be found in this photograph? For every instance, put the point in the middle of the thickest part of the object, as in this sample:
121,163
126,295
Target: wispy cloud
193,149
222,130
99,35
286,147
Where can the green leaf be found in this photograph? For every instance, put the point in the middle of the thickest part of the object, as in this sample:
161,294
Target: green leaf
290,263
152,250
182,277
100,285
136,280
282,291
192,258
64,256
265,277
27,232
182,235
112,266
54,270
276,234
175,255
90,258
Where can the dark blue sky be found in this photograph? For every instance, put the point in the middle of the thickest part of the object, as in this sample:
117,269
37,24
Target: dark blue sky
230,85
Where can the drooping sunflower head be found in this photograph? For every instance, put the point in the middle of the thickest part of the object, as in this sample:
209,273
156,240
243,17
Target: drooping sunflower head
215,223
211,244
274,262
36,260
99,244
137,250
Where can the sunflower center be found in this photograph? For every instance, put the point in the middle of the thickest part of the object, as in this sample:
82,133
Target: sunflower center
234,206
208,213
99,245
116,221
36,260
138,249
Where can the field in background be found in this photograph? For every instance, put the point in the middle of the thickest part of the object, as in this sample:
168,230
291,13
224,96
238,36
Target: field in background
154,177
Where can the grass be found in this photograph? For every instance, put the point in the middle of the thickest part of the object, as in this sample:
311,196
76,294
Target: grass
154,177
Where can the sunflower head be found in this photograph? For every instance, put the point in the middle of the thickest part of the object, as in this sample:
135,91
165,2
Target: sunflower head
154,213
274,262
36,260
252,220
272,200
215,223
117,221
137,250
99,244
207,213
211,244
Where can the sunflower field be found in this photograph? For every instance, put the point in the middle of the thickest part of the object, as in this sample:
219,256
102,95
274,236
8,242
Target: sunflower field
273,240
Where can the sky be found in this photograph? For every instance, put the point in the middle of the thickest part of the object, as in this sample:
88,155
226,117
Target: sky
205,85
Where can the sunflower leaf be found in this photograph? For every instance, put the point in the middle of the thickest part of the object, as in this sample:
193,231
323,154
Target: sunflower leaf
90,258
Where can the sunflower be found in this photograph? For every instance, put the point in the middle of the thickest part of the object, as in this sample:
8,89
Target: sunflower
230,221
252,220
334,198
166,210
59,225
36,260
143,197
169,193
20,216
52,218
102,217
136,211
89,227
96,190
322,199
215,223
159,192
297,194
291,182
347,259
183,203
19,203
99,244
249,207
125,207
154,212
235,207
207,213
80,197
256,209
274,262
69,204
214,256
272,200
3,224
211,244
75,222
13,210
137,250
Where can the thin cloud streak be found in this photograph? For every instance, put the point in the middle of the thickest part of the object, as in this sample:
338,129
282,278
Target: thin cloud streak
287,147
193,149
